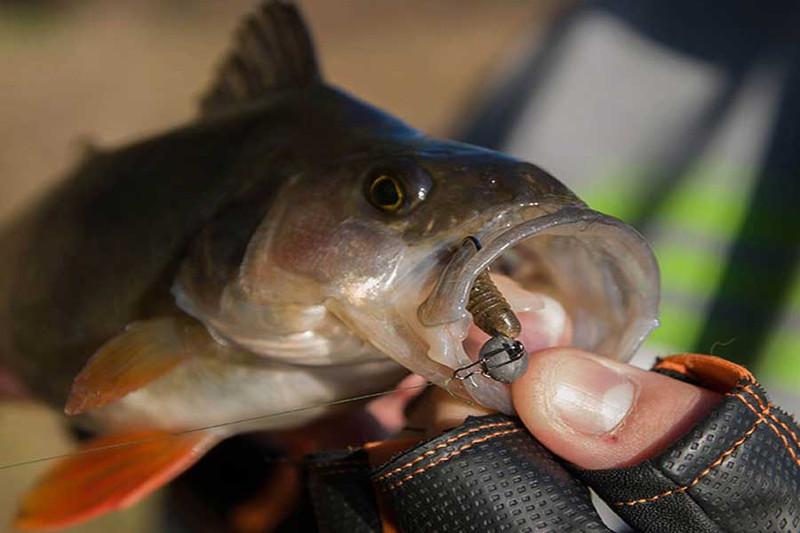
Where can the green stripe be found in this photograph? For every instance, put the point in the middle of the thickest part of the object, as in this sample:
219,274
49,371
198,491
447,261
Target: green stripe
711,202
689,272
709,205
679,328
705,200
780,362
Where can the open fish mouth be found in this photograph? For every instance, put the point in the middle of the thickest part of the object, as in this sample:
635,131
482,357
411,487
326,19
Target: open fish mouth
595,268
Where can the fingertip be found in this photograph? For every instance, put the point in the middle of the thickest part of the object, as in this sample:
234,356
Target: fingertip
600,413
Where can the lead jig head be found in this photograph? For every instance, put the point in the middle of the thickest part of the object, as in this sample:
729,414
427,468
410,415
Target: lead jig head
501,359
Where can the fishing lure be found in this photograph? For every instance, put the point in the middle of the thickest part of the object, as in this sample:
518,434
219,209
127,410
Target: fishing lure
501,358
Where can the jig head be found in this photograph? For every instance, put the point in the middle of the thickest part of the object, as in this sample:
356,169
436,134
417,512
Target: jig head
501,359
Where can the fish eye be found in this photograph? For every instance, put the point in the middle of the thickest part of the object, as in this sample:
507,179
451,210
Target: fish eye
397,187
386,193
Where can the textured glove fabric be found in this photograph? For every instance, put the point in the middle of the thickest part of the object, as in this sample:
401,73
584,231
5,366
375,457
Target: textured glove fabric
488,474
736,471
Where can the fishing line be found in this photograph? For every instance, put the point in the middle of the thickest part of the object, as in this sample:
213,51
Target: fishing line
210,427
720,344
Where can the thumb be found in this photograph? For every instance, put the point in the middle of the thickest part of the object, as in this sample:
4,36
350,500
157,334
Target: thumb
599,413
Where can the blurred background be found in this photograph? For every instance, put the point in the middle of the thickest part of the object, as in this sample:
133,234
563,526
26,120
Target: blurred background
682,118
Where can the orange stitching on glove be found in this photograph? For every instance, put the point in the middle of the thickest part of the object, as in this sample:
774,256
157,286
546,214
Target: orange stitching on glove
787,428
766,410
451,455
758,413
705,472
785,442
440,446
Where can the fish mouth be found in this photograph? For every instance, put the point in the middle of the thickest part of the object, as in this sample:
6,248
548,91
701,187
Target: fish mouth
598,269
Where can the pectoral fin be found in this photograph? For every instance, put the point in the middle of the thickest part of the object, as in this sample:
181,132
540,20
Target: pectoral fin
143,352
114,476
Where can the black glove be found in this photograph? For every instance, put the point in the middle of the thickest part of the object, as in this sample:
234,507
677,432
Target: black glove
736,470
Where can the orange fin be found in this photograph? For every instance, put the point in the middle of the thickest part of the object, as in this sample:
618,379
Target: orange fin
117,475
143,352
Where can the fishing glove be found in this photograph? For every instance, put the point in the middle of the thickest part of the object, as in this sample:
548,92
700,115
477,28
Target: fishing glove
737,470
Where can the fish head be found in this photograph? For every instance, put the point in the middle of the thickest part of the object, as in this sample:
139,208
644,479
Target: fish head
378,239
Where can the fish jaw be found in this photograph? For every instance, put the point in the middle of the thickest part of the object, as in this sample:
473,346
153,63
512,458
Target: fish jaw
596,279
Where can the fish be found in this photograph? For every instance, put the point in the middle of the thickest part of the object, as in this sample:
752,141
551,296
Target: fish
290,248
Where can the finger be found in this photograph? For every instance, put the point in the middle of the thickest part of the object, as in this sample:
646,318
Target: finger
389,410
438,410
599,413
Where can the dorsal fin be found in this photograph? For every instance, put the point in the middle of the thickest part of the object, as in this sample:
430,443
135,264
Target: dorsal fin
273,52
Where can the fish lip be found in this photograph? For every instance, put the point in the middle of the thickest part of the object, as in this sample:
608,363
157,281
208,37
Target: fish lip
447,302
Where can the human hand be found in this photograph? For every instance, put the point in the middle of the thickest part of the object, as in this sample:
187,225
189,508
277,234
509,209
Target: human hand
667,455
598,413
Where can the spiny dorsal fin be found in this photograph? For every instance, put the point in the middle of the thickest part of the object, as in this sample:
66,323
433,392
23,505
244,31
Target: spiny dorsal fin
273,52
